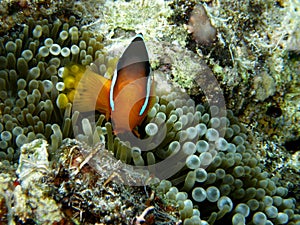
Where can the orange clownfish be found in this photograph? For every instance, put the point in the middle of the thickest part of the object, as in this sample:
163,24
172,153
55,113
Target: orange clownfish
127,98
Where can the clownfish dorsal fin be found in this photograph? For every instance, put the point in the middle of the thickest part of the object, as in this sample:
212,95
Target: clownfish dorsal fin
136,52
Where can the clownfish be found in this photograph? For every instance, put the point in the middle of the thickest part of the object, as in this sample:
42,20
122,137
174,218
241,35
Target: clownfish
127,97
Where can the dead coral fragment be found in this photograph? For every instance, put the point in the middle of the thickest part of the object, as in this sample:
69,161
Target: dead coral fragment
98,195
31,198
200,26
264,86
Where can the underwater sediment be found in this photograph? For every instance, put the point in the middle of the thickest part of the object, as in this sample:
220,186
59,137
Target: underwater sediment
222,180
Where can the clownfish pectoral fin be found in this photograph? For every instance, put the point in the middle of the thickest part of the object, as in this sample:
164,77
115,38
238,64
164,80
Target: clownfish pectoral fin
92,93
135,54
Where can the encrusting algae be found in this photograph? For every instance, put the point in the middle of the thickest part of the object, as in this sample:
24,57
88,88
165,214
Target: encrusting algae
205,159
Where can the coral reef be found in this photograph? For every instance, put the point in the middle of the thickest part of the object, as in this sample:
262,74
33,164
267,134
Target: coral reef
68,190
258,71
253,38
222,173
220,178
215,174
